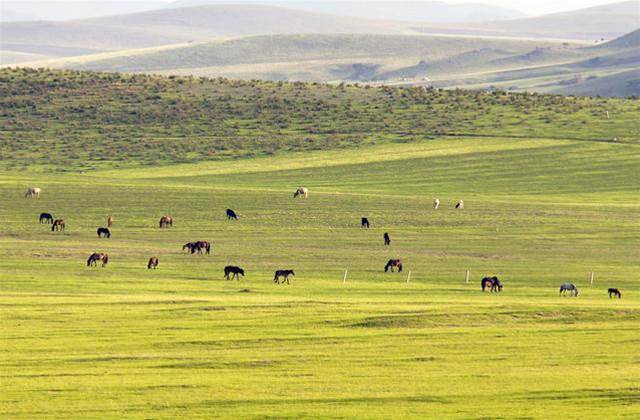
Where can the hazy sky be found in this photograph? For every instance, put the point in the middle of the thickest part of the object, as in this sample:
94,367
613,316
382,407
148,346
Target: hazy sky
531,7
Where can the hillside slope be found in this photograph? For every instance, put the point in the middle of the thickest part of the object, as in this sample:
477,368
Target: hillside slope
74,120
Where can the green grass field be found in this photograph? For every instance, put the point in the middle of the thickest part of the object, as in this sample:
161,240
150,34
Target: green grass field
124,341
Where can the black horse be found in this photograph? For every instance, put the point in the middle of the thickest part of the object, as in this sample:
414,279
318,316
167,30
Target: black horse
492,283
393,263
232,269
46,218
387,239
104,232
364,223
614,292
231,215
283,273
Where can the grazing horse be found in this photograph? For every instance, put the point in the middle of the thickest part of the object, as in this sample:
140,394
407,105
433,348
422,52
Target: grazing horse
58,224
460,204
95,257
200,246
614,292
32,192
166,221
189,246
231,215
283,273
573,290
364,222
110,221
232,269
436,204
46,218
104,232
153,263
491,283
391,264
387,239
303,191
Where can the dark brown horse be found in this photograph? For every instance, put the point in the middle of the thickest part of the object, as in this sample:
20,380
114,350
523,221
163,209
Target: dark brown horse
231,215
232,269
95,257
104,232
166,221
393,263
387,239
153,263
614,292
283,273
59,225
364,222
492,284
46,218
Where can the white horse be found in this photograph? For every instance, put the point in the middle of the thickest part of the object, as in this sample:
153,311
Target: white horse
436,204
301,191
460,204
32,192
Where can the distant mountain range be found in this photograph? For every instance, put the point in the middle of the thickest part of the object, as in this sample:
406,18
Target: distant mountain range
564,52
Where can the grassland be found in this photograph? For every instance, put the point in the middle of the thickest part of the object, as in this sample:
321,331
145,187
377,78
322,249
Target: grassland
125,341
545,203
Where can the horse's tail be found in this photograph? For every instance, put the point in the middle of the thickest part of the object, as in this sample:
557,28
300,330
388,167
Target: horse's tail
53,226
105,259
399,267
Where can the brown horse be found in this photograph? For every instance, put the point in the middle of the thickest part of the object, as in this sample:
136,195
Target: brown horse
59,225
393,263
110,221
153,262
95,257
166,221
302,191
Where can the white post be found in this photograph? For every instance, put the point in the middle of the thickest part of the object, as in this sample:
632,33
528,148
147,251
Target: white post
466,276
591,278
607,114
409,276
344,277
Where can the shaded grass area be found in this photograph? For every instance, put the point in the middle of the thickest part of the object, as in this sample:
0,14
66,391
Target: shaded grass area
182,341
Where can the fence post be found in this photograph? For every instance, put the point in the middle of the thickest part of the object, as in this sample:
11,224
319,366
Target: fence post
409,276
466,277
344,277
591,278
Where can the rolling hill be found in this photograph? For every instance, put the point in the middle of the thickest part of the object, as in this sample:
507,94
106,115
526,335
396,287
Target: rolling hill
170,26
110,119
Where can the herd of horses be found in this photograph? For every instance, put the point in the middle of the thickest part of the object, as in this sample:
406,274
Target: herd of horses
491,284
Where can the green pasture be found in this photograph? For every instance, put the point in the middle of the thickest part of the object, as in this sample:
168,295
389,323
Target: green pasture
124,341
